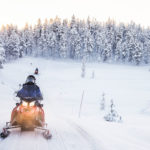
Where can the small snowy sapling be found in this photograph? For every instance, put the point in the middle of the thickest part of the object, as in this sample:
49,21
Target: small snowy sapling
112,116
102,102
1,67
83,69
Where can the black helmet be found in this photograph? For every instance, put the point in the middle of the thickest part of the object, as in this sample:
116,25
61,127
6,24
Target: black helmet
30,79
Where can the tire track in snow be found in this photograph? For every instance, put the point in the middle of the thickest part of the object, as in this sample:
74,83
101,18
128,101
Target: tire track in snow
94,144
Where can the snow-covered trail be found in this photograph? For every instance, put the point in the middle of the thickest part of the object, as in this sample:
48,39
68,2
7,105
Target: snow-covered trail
66,136
62,87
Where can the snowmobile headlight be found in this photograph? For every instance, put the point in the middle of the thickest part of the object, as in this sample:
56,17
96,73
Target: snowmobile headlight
24,103
31,104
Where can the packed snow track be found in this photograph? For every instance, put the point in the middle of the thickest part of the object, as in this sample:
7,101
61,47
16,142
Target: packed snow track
62,88
67,136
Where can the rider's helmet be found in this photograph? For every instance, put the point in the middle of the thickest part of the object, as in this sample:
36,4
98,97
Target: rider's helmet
30,79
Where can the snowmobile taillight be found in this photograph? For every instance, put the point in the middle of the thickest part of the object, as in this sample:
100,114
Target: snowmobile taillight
32,104
24,103
28,104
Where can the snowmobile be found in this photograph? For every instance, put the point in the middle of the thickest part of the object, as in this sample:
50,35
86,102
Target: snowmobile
36,71
27,115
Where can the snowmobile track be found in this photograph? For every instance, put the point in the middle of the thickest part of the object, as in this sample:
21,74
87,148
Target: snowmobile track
61,140
68,135
90,140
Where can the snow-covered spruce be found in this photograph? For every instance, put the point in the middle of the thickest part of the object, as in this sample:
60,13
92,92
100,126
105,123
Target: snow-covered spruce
2,56
83,69
113,116
102,102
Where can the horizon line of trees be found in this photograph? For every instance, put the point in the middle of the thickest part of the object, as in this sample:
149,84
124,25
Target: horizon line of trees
77,39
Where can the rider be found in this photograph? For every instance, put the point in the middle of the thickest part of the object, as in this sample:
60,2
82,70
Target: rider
30,91
36,71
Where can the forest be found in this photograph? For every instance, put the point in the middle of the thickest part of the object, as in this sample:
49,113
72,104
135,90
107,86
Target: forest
77,40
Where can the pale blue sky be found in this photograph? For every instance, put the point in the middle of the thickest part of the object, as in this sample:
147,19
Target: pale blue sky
21,11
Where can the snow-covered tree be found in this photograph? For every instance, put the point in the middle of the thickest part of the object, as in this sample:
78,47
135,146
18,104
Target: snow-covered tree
99,43
11,45
74,39
113,116
43,44
63,46
137,54
37,32
83,67
26,40
52,42
109,42
102,102
119,42
56,28
134,44
2,55
146,46
88,43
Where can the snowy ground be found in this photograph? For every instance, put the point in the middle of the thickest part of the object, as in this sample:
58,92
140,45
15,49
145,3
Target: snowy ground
62,87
